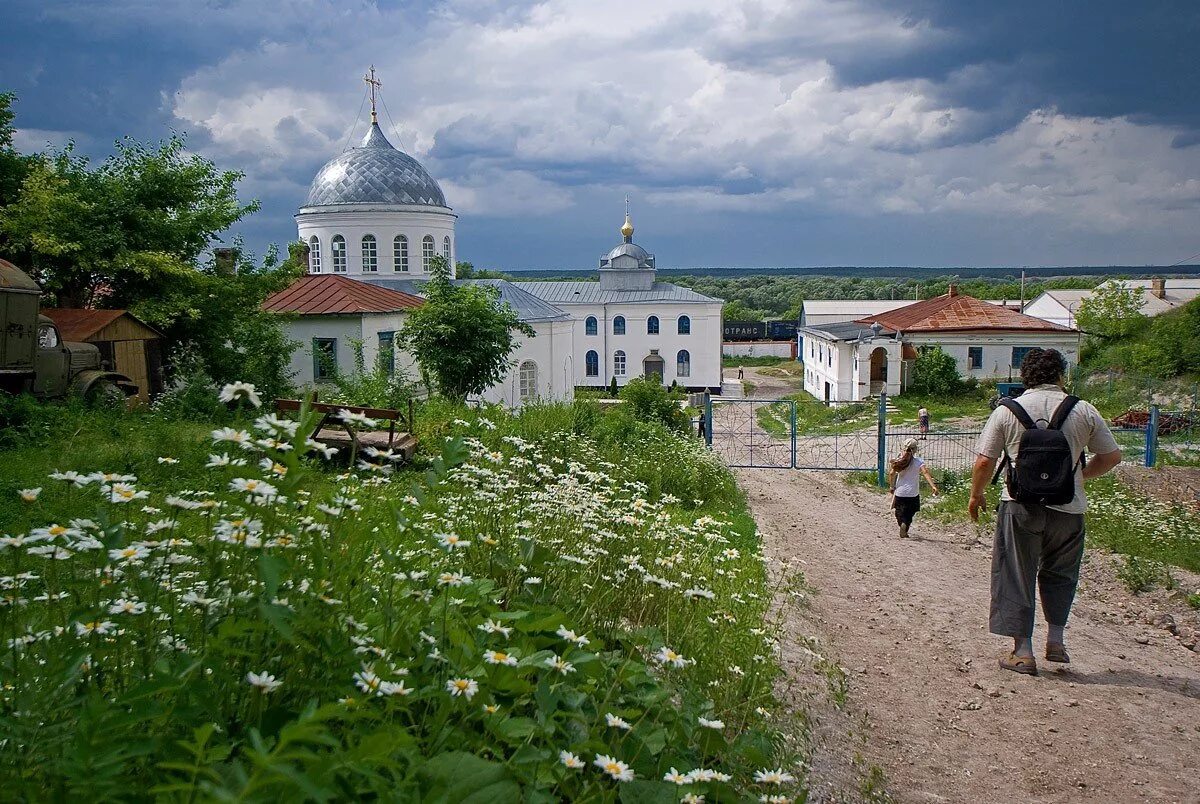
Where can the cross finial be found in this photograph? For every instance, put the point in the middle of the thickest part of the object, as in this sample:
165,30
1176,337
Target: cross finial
374,83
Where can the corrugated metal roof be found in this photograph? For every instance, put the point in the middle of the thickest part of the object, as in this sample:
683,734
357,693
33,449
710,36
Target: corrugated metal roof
527,306
954,312
78,325
843,331
590,293
327,294
855,307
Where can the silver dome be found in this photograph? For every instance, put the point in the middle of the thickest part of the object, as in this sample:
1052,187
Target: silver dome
629,249
374,173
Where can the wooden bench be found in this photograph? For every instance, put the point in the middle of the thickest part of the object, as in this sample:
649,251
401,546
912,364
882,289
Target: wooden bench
334,432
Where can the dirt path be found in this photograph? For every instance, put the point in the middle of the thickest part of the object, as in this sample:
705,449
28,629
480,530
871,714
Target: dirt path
907,620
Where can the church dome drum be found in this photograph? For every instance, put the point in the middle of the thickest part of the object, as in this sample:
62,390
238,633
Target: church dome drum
374,173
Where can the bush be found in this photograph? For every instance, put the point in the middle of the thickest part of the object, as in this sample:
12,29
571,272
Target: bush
1141,574
370,388
193,394
936,373
24,420
648,401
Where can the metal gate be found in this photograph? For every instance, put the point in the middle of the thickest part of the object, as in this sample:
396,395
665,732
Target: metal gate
801,433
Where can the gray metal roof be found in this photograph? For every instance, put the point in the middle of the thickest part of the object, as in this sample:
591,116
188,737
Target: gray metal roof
374,173
590,293
844,331
529,308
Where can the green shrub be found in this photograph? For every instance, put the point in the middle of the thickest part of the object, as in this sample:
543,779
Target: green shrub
25,420
648,401
1140,574
936,373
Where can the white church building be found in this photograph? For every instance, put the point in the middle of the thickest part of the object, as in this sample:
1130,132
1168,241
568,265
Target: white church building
375,217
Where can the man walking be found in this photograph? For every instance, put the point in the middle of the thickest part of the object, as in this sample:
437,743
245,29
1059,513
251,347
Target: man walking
1040,521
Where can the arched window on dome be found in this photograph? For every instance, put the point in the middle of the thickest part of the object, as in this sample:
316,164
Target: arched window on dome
314,255
591,363
652,325
428,251
683,364
685,325
619,363
400,253
370,254
338,250
589,326
446,254
528,374
619,325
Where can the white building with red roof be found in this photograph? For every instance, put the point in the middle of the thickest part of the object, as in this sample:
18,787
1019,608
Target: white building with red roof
855,360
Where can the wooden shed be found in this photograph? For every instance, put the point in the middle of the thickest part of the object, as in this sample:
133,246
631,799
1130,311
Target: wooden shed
126,344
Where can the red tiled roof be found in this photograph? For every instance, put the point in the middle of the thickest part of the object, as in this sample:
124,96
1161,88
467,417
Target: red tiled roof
326,294
956,313
78,325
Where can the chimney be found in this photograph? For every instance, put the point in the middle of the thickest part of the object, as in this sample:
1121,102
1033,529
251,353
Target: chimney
225,261
1158,287
953,291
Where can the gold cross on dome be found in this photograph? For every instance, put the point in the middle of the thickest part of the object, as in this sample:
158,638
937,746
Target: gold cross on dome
374,83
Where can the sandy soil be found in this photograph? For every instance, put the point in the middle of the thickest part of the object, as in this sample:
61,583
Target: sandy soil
927,703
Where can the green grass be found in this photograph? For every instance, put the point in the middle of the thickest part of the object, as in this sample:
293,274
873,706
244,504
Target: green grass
747,362
347,589
968,405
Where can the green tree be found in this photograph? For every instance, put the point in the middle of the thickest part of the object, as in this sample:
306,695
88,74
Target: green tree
1112,311
462,335
124,231
935,372
737,310
647,400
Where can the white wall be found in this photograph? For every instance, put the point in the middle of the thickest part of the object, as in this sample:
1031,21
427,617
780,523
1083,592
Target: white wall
346,330
997,350
550,350
703,344
1049,309
757,348
385,222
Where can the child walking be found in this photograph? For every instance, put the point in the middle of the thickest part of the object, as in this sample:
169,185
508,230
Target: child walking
904,481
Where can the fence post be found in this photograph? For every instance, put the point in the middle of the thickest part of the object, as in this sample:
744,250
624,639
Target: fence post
708,419
1152,437
881,445
793,404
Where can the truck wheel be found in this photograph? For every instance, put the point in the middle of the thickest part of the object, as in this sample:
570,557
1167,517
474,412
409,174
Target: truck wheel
105,394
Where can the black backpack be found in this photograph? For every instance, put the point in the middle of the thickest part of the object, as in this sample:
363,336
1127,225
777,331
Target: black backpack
1044,472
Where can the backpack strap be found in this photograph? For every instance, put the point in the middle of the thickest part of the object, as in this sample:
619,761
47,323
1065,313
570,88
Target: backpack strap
1062,412
1014,407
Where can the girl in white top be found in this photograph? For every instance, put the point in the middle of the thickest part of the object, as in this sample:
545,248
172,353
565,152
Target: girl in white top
905,483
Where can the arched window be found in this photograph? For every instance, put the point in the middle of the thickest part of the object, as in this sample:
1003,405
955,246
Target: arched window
528,374
652,325
338,250
619,325
619,363
589,326
685,325
446,254
591,363
400,253
314,255
370,254
428,250
683,364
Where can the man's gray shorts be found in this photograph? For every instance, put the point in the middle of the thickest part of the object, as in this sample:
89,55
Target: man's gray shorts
1035,546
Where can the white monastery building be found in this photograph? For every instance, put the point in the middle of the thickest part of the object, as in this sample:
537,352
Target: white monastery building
853,360
1157,295
374,219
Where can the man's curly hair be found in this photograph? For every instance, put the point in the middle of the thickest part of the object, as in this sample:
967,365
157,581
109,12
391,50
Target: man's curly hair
1042,367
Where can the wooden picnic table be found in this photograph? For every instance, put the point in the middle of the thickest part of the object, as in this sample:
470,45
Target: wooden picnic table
334,431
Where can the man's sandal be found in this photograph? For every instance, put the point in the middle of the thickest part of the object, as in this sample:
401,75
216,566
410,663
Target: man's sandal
1057,652
1026,665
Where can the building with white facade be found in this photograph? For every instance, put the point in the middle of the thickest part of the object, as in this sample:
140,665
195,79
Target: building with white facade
854,360
373,220
1158,296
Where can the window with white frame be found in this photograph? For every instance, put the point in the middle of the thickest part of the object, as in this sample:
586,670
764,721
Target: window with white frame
370,254
683,363
428,250
591,363
338,250
590,326
446,254
619,363
619,325
400,254
314,255
684,326
528,373
652,325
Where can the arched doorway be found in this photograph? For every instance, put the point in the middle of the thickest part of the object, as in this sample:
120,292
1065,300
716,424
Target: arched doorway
879,369
652,368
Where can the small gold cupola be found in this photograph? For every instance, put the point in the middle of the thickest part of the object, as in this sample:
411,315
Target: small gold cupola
627,227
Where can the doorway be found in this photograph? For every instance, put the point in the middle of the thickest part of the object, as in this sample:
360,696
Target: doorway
653,367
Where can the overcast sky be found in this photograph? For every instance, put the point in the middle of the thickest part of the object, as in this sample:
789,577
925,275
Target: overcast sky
758,133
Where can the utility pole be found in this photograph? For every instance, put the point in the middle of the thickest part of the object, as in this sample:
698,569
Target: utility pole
1022,290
